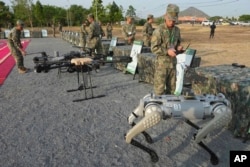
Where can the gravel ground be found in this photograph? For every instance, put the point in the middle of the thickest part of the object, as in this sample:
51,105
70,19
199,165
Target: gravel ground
40,126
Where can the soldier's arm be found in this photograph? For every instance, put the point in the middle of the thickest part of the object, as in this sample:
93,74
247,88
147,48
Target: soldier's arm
16,40
144,30
156,44
134,30
124,33
91,32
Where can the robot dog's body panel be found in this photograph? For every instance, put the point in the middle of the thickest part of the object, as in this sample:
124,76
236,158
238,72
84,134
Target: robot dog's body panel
155,108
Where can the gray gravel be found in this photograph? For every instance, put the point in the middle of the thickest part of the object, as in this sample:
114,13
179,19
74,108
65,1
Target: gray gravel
40,126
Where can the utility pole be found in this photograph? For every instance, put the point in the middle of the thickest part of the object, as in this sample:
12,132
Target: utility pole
96,10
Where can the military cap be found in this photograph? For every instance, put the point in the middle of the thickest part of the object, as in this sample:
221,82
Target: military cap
150,16
172,12
91,15
20,22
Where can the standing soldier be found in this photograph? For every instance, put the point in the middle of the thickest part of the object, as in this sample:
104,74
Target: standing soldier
102,32
94,41
148,30
60,27
15,46
54,30
84,33
129,30
165,43
212,30
109,30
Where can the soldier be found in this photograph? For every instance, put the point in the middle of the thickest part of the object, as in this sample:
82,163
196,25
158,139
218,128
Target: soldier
129,30
54,30
102,32
84,33
15,46
212,30
59,27
109,30
148,30
165,43
94,41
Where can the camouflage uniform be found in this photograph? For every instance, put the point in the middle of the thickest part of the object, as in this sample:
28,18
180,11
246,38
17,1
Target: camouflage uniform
94,41
147,32
165,73
84,34
14,44
109,29
129,30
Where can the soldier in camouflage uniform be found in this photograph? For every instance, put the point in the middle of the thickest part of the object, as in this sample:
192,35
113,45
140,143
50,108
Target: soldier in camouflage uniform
94,40
102,32
15,46
165,43
84,33
129,30
148,30
109,29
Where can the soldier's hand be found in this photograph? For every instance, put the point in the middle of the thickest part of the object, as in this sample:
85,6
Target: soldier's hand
180,48
171,52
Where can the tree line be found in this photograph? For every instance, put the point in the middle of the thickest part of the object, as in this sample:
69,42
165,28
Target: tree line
39,15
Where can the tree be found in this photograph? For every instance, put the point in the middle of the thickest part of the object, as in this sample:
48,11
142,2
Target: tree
53,14
98,10
38,12
244,18
131,11
77,14
6,17
114,13
23,10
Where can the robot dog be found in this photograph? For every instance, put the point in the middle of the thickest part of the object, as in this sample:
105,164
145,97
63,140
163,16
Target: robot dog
153,109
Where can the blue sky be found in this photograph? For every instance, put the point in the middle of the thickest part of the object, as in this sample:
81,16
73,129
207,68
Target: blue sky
157,7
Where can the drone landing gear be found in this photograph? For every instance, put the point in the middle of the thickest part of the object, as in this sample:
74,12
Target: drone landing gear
86,77
213,157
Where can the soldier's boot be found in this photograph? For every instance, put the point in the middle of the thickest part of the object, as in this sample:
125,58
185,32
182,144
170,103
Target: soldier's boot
22,70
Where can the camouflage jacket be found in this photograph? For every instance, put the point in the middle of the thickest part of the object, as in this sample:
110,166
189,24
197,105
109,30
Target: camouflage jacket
94,30
162,40
147,29
83,29
109,28
128,30
14,39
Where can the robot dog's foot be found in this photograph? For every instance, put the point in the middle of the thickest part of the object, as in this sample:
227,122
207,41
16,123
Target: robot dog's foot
152,153
213,157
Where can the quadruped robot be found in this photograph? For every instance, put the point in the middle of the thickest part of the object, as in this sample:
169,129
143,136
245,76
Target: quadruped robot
153,109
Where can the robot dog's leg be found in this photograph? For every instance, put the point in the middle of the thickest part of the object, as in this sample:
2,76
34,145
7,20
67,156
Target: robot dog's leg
153,115
146,135
139,112
222,116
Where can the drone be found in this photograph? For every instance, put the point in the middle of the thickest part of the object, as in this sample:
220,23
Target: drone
81,63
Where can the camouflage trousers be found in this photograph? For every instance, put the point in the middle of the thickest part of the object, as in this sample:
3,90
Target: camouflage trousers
95,44
17,56
147,41
109,35
164,78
